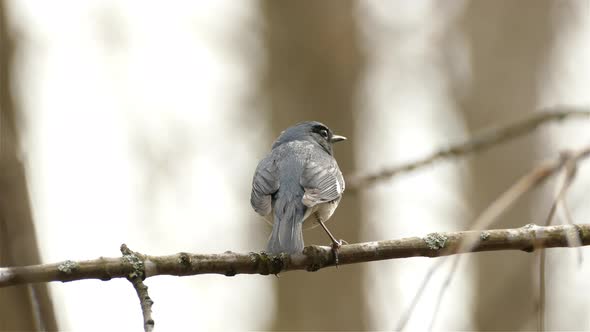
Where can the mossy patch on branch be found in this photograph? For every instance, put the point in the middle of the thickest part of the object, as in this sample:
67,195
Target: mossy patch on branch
68,266
435,241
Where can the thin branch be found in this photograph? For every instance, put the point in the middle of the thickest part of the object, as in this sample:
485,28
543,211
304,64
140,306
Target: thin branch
405,317
500,205
313,258
136,278
487,218
443,289
541,308
574,241
570,169
478,143
534,178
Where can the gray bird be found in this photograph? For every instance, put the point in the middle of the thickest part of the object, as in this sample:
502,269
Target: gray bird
299,178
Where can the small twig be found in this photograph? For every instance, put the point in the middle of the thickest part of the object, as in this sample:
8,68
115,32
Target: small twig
574,240
443,289
569,167
541,312
405,317
499,206
570,170
479,142
534,178
136,278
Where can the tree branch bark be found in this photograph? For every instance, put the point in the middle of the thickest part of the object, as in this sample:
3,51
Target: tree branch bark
480,142
313,258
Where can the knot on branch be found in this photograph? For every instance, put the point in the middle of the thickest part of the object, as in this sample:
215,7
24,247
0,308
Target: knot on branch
317,257
582,232
266,263
532,230
136,277
132,258
184,260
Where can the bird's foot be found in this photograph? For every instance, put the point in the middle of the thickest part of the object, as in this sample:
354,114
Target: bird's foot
336,244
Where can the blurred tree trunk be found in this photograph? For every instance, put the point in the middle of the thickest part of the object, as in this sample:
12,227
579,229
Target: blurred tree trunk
509,42
313,70
23,308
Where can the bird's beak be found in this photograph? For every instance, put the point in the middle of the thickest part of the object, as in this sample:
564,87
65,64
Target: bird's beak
337,138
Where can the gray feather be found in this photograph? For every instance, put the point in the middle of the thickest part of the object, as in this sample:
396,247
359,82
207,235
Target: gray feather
321,180
287,233
264,184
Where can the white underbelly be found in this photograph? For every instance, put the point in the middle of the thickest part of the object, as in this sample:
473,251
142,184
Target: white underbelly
323,211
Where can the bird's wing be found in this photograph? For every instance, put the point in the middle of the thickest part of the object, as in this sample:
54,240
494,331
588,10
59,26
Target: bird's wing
264,184
322,180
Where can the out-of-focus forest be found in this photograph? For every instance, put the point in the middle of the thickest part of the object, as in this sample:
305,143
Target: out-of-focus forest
142,123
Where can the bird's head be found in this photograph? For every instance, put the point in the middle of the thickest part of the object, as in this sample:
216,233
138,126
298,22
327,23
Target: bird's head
312,131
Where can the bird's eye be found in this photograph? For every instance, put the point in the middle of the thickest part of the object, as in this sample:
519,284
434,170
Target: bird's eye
324,133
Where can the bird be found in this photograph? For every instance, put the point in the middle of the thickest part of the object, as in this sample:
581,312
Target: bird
299,178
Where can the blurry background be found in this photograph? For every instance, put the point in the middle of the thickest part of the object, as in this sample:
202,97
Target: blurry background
142,123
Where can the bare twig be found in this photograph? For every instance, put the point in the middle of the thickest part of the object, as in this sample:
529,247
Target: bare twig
443,289
574,241
569,167
570,171
486,218
479,142
530,180
312,258
542,289
408,313
534,178
136,278
405,317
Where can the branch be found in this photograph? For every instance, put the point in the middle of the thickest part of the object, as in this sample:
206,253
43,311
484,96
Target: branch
313,258
478,143
136,278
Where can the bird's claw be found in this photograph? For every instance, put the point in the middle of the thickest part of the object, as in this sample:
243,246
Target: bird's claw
335,247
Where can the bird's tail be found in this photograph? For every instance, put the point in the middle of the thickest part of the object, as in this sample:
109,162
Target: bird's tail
287,230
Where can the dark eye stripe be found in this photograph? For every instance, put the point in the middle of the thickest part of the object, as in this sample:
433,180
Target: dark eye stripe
320,130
